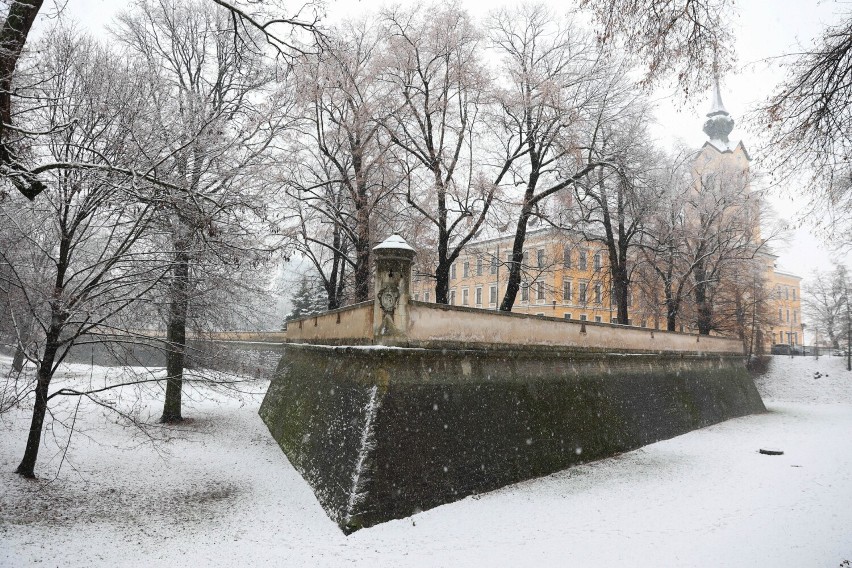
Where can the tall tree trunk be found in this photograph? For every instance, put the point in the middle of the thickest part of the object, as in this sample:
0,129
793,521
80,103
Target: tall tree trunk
13,37
176,336
848,334
45,373
362,234
705,312
362,270
332,283
19,358
672,309
24,335
513,285
442,282
621,288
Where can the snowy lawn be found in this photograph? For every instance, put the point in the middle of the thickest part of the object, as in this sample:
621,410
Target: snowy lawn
217,491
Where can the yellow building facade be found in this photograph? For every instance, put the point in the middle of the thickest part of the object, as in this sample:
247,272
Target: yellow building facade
563,276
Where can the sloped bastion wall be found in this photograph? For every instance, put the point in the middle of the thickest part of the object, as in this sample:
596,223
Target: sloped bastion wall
382,433
393,407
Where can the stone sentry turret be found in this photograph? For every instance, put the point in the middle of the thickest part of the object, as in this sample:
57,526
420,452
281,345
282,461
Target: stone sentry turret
394,258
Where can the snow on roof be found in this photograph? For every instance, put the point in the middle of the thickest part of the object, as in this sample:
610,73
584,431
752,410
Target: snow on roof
395,242
717,106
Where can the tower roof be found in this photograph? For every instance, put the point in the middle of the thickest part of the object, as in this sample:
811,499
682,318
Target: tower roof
719,123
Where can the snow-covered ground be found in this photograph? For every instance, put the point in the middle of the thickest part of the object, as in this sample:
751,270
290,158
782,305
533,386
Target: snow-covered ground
217,491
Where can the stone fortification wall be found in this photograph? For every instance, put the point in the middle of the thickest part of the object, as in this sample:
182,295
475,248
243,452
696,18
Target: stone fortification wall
384,432
435,323
352,325
257,359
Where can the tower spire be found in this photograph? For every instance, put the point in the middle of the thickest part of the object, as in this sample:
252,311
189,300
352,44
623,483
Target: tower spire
717,106
719,123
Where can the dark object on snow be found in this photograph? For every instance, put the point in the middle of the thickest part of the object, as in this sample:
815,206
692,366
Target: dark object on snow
381,434
771,452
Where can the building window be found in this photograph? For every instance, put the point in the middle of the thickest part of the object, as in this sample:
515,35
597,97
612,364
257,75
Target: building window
794,294
795,338
597,293
598,319
425,296
539,257
567,316
788,315
525,292
583,317
566,257
492,294
539,291
416,296
613,320
582,260
582,297
465,297
794,316
478,296
781,319
479,266
597,261
452,297
566,291
453,271
466,269
780,337
494,264
786,293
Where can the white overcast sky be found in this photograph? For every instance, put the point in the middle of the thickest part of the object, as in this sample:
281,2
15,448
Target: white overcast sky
764,29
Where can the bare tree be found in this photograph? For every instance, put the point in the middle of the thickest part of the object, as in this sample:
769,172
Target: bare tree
690,40
290,31
722,220
217,118
810,123
83,253
545,115
664,268
342,171
823,299
702,246
743,301
613,204
434,69
248,21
